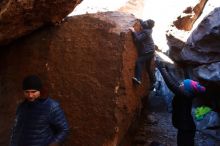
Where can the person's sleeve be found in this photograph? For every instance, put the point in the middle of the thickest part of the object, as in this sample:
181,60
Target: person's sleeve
13,138
140,36
170,82
59,124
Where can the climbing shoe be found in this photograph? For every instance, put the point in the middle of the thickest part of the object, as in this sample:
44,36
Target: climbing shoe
135,80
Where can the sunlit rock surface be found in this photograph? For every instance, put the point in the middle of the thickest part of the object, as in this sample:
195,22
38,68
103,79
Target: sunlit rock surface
198,48
186,20
87,62
179,31
135,7
20,17
203,48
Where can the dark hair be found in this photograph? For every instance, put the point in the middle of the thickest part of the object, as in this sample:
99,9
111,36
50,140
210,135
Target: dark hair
148,24
32,82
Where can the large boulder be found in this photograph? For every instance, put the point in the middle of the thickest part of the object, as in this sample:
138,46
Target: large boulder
210,72
20,17
198,49
86,63
175,41
179,31
204,41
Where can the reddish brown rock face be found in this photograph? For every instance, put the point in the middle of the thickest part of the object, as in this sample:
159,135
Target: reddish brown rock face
87,63
20,17
186,20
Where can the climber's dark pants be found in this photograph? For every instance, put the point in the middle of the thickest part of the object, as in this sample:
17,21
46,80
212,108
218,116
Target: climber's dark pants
185,138
145,60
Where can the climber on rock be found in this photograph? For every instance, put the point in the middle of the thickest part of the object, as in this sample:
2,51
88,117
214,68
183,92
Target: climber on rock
146,48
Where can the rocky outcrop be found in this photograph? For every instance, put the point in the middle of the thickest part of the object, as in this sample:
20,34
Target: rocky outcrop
175,41
87,63
186,20
203,47
175,35
180,29
199,51
20,17
209,72
204,40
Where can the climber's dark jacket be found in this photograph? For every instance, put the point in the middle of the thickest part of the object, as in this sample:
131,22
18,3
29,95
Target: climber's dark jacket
39,123
144,41
182,102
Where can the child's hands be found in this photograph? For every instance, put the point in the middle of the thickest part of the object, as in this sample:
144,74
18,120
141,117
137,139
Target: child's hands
131,29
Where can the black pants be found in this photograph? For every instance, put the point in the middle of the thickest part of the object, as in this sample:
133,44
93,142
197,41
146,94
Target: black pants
185,138
183,121
145,60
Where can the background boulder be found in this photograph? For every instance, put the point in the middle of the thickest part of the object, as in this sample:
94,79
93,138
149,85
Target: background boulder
203,43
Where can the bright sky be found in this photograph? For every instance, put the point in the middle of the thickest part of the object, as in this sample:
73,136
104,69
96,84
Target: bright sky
92,6
164,12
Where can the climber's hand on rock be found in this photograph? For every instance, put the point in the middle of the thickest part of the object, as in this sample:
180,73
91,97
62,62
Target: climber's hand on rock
131,29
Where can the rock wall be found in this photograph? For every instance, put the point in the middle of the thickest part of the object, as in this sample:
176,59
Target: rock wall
86,63
198,49
180,29
20,17
203,48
